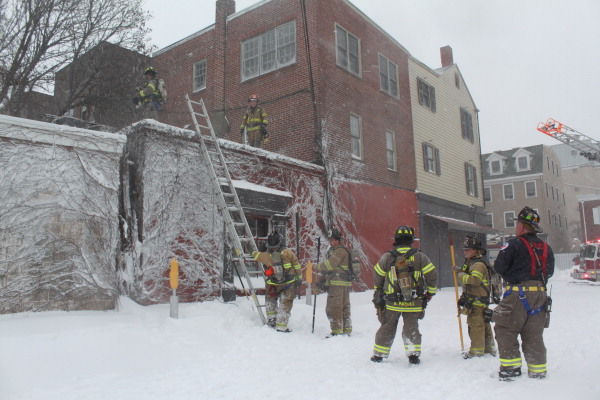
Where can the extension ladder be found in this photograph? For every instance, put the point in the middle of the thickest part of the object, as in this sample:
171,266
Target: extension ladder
229,205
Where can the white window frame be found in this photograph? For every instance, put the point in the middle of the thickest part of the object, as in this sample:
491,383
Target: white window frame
356,140
391,83
511,219
512,187
527,162
490,189
342,50
596,215
492,172
254,49
471,181
534,189
196,87
390,150
431,159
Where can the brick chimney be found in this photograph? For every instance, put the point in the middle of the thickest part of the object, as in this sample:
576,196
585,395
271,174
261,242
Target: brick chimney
446,54
224,8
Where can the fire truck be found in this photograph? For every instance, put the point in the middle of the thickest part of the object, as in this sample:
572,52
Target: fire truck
589,262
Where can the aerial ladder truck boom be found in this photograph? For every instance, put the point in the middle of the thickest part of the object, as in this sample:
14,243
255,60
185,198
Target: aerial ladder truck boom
587,146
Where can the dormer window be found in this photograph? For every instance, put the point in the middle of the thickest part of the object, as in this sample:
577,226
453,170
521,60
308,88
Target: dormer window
522,160
495,167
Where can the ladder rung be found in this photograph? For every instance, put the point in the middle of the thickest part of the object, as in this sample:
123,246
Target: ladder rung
236,209
203,126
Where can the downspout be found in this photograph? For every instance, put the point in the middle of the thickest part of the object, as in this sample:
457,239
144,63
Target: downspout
320,159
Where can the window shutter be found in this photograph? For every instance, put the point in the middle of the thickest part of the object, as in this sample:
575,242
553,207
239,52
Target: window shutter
438,168
432,98
476,192
424,146
420,90
467,177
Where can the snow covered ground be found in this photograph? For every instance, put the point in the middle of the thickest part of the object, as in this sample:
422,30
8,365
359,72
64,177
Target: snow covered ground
220,351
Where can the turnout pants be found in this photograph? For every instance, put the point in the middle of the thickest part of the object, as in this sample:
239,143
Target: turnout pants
511,320
279,302
338,309
384,338
480,333
255,138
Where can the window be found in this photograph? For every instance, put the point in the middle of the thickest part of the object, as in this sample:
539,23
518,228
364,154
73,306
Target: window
546,184
549,217
495,167
388,76
596,215
509,219
508,192
489,220
356,136
471,179
390,148
269,51
348,50
426,94
466,124
199,75
563,196
530,189
431,159
456,80
487,194
552,190
522,163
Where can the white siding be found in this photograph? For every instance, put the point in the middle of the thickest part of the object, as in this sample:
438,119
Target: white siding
443,130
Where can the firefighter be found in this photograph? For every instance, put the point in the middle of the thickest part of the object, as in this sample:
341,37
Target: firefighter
405,280
255,123
475,298
150,95
525,263
282,277
335,278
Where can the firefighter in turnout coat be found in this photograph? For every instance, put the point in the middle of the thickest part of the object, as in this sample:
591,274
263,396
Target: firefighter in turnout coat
475,298
282,277
255,123
335,278
525,263
149,95
405,280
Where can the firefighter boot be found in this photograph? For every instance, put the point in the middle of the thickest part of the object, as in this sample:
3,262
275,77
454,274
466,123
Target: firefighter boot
413,359
377,359
509,374
271,322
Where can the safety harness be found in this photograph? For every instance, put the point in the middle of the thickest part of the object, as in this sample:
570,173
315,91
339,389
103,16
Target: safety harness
535,264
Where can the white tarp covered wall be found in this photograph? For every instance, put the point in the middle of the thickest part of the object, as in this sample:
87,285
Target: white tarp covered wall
59,229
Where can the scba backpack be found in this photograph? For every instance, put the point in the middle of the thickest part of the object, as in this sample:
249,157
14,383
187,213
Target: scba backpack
162,88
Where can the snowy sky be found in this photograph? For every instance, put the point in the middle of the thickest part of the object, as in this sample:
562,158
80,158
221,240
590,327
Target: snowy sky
524,61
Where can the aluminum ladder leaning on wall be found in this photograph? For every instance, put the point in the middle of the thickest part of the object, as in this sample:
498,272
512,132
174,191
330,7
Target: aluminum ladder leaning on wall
229,204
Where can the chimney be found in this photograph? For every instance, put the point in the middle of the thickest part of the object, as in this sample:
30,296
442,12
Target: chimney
446,54
224,8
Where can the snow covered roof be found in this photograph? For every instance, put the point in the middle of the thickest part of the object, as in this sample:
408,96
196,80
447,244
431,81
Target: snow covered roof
259,188
60,135
226,144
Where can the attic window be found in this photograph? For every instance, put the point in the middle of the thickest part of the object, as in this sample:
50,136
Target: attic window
457,80
523,163
495,167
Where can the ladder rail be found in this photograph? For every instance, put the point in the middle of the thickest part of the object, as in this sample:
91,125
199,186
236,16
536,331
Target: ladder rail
225,208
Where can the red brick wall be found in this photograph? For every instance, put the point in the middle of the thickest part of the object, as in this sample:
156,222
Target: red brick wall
286,93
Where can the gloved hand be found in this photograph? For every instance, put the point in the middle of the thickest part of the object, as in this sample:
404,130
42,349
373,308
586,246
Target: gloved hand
264,132
242,131
378,299
428,296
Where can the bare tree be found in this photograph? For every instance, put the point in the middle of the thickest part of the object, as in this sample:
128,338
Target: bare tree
39,37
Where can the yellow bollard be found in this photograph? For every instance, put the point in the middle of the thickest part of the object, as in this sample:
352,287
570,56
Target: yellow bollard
174,283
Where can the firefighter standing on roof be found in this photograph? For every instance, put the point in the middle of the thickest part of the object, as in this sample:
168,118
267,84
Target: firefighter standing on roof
336,278
475,298
255,123
149,94
282,277
525,264
405,280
